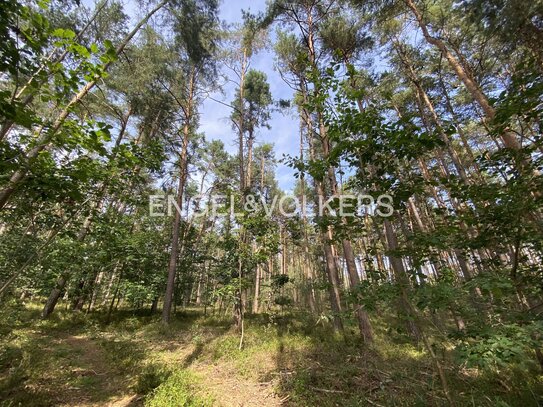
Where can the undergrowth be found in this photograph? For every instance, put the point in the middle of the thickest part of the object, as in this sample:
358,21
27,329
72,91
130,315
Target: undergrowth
48,362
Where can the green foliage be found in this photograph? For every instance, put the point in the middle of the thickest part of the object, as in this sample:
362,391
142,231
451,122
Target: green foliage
504,346
279,280
282,301
180,389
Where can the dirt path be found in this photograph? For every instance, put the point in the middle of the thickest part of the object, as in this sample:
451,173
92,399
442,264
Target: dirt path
229,390
103,385
100,383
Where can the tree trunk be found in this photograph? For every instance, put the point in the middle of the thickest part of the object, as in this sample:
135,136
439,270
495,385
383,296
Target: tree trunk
183,164
326,237
508,138
401,279
362,316
256,297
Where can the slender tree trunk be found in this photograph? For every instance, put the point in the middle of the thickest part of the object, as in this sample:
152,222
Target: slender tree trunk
333,287
96,291
183,165
256,297
429,105
362,316
326,236
401,278
508,138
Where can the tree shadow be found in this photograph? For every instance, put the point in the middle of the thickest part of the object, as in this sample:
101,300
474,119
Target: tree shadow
46,368
329,370
72,358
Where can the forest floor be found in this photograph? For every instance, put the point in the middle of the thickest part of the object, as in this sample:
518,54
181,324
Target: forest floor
75,359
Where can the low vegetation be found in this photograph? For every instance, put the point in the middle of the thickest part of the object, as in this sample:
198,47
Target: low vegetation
289,359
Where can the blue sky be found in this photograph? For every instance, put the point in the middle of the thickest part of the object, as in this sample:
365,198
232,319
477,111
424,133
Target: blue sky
284,132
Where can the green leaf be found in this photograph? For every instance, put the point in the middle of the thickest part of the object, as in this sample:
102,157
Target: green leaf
64,33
